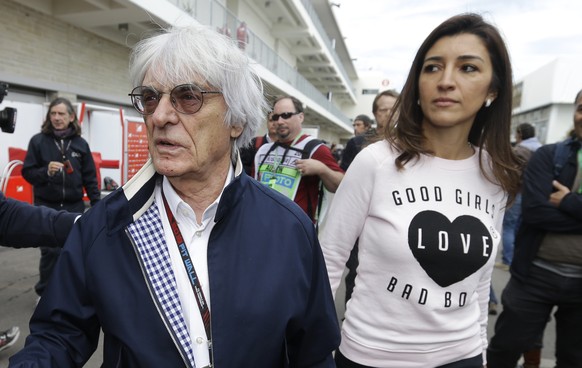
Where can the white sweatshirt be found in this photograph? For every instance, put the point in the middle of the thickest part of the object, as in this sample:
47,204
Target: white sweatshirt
428,236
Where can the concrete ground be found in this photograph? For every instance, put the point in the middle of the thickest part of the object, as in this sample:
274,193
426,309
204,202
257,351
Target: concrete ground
19,273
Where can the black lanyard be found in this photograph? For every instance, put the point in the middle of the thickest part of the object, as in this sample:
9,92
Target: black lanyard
189,266
62,147
273,149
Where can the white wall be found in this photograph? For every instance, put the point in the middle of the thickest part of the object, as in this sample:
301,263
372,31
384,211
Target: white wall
368,80
561,122
28,121
556,82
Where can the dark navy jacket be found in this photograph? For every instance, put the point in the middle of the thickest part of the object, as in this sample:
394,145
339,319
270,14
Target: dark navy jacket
23,225
63,187
538,215
271,303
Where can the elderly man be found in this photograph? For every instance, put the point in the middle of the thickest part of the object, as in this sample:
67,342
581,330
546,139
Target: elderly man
191,263
297,163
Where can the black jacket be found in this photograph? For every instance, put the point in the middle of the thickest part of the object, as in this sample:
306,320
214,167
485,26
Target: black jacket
355,145
63,187
23,225
538,215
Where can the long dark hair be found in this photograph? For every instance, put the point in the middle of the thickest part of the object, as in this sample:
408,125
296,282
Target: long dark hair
47,127
492,126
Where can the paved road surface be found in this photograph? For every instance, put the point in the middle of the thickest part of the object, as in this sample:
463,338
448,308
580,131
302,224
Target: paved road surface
19,273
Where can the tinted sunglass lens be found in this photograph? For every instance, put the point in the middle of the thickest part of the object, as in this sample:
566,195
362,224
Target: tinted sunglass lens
186,98
285,115
149,100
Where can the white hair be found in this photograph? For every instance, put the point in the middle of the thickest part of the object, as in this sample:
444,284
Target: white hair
180,54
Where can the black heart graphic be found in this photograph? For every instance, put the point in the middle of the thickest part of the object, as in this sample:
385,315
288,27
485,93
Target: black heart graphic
449,252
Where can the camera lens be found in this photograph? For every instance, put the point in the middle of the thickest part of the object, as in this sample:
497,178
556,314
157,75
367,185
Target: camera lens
8,120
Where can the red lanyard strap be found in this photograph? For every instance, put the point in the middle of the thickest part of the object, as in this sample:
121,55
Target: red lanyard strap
189,266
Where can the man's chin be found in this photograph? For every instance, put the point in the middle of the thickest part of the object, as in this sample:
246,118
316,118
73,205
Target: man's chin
167,167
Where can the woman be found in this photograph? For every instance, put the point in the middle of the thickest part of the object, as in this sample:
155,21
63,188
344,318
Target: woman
428,216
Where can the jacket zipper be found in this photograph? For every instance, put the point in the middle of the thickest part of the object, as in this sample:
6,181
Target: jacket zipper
63,173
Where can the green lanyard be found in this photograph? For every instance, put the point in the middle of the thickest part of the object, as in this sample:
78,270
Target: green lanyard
276,161
580,168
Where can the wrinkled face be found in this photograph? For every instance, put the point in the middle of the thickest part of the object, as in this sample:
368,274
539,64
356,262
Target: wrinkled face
60,117
578,117
454,81
359,127
184,145
287,129
385,105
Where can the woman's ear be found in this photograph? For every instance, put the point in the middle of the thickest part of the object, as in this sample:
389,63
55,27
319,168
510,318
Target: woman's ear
492,96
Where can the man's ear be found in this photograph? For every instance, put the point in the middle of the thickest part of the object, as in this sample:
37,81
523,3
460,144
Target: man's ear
236,131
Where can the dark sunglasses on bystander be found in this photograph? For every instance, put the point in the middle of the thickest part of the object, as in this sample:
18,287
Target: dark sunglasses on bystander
284,115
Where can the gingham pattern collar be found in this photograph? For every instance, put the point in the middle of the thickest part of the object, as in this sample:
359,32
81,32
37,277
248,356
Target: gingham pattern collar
155,262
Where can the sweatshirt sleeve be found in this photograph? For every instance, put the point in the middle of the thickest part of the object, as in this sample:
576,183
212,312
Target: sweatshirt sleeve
350,207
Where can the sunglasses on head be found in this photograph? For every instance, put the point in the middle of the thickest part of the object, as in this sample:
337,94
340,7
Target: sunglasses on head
285,115
185,98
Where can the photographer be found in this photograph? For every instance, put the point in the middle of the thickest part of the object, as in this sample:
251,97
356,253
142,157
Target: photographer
59,165
23,225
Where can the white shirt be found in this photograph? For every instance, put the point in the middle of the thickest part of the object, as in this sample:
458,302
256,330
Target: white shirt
196,238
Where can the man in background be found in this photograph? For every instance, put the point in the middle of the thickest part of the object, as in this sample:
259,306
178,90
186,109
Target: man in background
382,108
297,163
546,270
526,145
362,131
59,165
248,152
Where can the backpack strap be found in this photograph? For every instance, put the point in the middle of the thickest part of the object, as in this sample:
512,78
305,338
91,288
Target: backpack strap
306,153
259,141
309,148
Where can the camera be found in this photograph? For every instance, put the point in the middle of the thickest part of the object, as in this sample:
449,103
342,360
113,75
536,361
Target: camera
8,115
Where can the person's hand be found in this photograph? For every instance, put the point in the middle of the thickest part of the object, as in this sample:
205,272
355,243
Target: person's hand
561,191
54,167
309,167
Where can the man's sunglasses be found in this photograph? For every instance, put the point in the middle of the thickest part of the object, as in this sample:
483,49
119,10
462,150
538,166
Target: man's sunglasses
285,115
186,98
